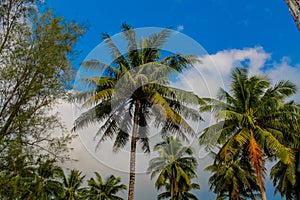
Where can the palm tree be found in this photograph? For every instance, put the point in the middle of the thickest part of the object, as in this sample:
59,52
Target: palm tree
43,184
174,167
72,184
250,118
233,179
99,190
183,194
286,178
143,71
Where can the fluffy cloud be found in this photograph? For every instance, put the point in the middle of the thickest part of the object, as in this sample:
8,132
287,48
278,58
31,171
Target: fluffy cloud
283,70
206,78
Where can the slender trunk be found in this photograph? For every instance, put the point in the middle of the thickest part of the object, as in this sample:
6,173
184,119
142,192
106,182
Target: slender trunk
133,151
261,184
172,184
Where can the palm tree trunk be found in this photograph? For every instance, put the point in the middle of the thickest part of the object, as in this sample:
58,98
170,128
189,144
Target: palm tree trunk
173,188
133,151
261,185
263,193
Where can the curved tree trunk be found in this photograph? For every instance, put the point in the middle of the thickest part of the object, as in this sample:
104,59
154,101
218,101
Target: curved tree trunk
133,151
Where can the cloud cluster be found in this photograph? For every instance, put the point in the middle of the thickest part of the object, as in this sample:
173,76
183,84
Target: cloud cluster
206,78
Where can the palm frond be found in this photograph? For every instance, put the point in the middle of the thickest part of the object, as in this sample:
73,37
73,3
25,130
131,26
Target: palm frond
157,40
94,64
180,62
95,114
100,96
130,36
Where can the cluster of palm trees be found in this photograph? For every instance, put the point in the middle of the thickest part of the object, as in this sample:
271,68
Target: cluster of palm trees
259,124
256,122
48,181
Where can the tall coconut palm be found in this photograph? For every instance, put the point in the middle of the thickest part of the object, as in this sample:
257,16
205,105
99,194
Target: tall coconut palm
250,118
72,184
99,190
145,73
174,167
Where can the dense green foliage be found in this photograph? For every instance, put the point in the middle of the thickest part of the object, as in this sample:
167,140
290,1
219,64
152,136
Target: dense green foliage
47,181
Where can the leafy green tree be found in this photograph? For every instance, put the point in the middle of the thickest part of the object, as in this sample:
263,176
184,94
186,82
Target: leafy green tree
99,190
174,167
35,49
250,120
29,89
72,184
144,71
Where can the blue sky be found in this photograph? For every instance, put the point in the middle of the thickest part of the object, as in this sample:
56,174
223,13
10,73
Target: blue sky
259,33
215,24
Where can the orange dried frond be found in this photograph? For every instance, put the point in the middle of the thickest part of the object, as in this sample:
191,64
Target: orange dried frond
256,158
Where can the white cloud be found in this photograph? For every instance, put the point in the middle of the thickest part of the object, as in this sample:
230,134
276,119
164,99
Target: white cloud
283,70
214,71
226,60
180,28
